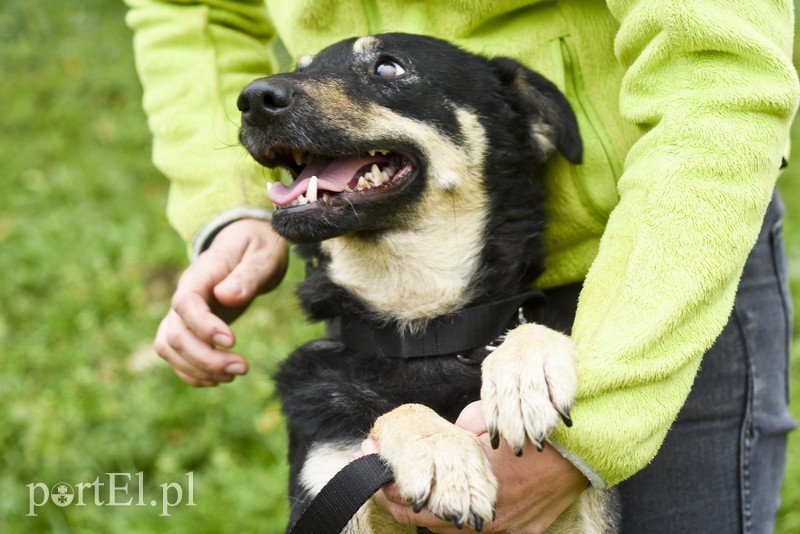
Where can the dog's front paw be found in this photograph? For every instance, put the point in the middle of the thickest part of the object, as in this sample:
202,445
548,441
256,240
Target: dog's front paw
437,465
529,382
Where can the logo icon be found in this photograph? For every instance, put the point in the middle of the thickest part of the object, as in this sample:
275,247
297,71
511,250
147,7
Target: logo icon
62,494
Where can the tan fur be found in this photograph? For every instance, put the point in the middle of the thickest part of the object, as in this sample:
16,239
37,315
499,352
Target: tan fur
373,518
526,381
443,246
436,462
592,513
341,111
543,133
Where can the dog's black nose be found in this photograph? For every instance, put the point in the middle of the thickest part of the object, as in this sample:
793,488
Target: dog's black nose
265,98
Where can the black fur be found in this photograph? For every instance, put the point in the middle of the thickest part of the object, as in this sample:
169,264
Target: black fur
331,393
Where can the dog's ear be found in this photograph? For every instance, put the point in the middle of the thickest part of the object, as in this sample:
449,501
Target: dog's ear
552,122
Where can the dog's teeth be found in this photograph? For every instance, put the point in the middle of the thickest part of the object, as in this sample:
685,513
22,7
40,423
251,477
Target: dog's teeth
311,192
382,151
297,154
301,200
371,153
376,172
348,189
362,184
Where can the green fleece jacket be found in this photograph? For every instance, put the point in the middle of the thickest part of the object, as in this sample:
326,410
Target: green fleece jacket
684,107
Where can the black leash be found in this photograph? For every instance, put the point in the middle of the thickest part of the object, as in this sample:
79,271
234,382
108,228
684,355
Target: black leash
337,502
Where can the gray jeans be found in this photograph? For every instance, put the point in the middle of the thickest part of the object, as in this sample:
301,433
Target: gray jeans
722,464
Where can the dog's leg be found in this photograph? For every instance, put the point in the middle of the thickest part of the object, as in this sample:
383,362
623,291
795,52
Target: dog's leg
529,384
595,512
323,461
437,465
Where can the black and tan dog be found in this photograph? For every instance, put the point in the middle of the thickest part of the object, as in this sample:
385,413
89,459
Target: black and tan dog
415,201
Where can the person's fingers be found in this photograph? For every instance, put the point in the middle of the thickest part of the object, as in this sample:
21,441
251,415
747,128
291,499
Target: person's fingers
194,296
389,496
192,357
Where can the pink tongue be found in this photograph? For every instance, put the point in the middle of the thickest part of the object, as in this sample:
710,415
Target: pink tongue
332,175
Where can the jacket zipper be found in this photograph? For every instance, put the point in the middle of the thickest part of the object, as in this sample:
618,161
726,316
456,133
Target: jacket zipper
565,56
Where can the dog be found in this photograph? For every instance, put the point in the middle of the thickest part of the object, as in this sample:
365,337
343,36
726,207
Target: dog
415,202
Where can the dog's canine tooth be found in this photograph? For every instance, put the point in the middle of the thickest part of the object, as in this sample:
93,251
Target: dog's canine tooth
298,156
376,172
311,192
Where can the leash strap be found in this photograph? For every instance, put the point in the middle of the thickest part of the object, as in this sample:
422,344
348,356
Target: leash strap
460,332
337,502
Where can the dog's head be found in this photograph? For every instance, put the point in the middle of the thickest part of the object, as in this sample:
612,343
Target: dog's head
381,131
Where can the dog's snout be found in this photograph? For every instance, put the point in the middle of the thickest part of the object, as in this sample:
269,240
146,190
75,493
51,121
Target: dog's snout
265,98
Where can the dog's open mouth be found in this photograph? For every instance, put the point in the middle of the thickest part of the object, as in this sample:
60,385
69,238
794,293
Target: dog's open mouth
320,180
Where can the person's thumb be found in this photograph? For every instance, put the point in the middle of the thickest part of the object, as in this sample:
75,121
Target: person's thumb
246,281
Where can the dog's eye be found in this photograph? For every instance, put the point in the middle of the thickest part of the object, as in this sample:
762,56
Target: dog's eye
387,68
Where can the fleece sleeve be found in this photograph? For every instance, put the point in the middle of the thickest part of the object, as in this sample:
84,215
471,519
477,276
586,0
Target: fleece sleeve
712,87
193,59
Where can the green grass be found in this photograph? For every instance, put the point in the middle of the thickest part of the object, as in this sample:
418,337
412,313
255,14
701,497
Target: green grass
87,266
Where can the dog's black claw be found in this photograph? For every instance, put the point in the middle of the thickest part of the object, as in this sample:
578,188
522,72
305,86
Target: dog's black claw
477,522
417,505
495,439
517,451
565,417
459,521
539,444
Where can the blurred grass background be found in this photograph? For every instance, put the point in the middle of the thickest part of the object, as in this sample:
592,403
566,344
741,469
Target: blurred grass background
87,266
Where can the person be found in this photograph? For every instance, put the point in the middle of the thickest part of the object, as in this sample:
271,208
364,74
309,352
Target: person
665,243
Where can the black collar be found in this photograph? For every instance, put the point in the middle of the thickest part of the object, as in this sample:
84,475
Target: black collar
458,333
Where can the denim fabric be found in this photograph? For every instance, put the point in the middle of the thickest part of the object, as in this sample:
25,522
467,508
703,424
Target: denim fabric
721,467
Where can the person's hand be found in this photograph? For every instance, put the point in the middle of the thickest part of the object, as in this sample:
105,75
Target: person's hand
245,259
533,489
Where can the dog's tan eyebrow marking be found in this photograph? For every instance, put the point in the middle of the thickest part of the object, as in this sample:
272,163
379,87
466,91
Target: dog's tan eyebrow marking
305,61
365,45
